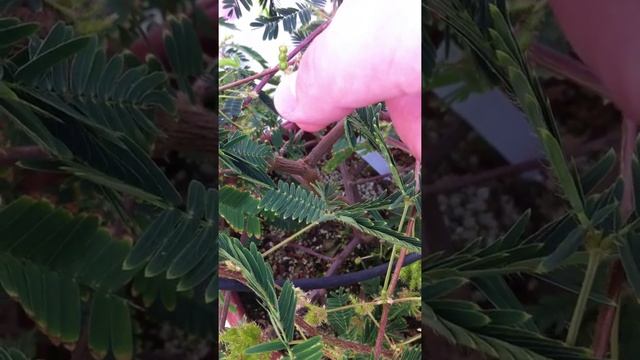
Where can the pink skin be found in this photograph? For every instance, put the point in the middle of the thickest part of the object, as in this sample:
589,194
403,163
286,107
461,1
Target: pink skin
605,36
363,57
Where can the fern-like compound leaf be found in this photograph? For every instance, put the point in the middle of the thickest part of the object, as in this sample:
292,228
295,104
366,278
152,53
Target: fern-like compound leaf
292,201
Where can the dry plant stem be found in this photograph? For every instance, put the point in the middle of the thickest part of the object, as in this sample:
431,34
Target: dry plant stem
325,144
384,319
309,251
607,314
242,81
294,167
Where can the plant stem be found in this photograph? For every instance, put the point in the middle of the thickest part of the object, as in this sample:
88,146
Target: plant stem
606,333
289,239
583,297
12,155
379,302
615,335
392,286
224,311
393,250
409,341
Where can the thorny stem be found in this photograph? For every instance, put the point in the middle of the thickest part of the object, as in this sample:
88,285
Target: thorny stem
583,297
375,322
606,333
392,286
378,302
289,239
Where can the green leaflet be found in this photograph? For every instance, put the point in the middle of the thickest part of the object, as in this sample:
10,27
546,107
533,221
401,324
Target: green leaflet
180,246
46,255
69,99
240,210
12,32
184,52
292,201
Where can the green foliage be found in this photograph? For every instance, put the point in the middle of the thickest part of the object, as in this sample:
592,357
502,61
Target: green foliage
94,114
498,50
259,278
412,276
48,276
493,332
292,201
239,209
240,338
11,354
287,16
178,245
64,98
184,53
310,349
245,157
365,122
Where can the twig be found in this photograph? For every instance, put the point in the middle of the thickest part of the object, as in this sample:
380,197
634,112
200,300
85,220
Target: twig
236,83
392,287
310,252
294,167
325,144
289,239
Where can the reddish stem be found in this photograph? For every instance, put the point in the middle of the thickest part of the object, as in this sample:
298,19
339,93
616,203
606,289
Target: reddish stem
12,155
607,313
606,316
392,287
